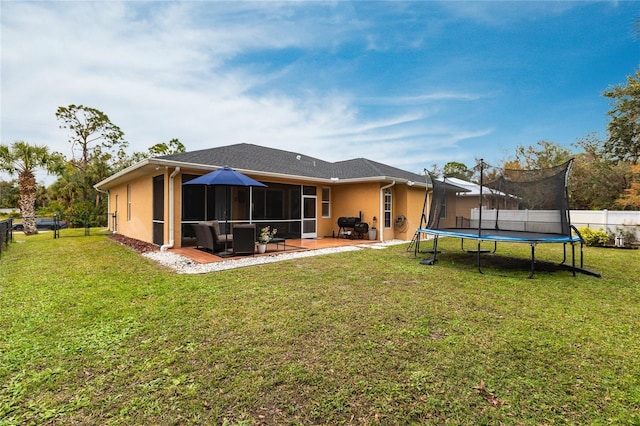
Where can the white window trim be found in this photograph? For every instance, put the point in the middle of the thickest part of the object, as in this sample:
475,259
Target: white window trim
388,194
327,202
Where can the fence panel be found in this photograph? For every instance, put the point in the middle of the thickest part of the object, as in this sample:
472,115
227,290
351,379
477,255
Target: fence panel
6,235
612,221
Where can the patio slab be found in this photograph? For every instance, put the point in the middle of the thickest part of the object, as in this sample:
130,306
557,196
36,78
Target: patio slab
292,246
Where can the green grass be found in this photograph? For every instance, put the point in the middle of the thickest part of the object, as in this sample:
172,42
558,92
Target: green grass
93,333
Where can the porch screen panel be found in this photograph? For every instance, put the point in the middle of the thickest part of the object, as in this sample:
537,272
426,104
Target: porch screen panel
280,206
158,209
158,197
219,204
193,200
277,202
240,197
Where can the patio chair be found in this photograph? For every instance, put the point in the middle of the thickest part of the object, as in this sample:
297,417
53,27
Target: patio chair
244,239
222,241
204,237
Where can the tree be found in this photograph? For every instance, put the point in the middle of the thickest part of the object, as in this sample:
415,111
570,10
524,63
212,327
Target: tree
9,195
99,142
544,155
457,170
90,128
624,127
596,180
174,146
630,199
24,159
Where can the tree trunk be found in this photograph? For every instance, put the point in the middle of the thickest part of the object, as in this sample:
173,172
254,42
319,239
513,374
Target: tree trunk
27,201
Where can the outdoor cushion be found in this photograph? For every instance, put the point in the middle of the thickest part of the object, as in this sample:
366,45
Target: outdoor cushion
204,236
220,240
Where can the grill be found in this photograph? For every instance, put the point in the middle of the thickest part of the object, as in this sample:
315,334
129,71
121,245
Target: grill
352,227
348,222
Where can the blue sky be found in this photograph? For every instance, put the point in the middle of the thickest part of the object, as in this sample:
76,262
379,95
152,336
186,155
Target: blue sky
410,84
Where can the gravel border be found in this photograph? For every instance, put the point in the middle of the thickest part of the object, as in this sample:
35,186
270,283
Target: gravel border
184,265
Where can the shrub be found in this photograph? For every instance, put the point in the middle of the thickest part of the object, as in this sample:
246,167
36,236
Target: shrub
627,233
592,237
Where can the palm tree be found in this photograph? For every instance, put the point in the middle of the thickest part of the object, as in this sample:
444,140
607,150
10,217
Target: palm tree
23,159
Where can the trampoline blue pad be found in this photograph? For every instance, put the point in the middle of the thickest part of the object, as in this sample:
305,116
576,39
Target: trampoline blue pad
501,235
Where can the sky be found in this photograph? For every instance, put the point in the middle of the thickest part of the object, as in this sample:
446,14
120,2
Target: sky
409,84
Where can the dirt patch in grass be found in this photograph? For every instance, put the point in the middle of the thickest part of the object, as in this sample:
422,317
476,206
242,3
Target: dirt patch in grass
133,244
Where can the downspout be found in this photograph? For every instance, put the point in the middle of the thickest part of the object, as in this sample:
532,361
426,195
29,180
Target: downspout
382,209
165,247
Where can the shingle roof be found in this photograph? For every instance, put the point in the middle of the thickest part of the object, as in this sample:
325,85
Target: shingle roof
270,160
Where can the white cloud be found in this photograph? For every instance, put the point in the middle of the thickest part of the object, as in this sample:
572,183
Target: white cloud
162,72
203,72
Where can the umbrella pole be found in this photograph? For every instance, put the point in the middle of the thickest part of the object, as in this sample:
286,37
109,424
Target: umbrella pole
226,252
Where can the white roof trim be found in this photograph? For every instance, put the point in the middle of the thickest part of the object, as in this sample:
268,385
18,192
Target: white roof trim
143,166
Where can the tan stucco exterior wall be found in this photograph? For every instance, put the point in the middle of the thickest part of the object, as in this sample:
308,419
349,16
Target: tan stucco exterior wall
407,201
406,212
352,200
464,206
452,207
139,223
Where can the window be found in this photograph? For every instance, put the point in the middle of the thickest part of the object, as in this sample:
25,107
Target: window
387,208
309,190
326,202
128,202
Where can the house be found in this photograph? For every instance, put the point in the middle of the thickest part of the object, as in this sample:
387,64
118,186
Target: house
304,196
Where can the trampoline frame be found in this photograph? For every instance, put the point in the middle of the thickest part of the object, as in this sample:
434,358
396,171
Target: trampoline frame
531,238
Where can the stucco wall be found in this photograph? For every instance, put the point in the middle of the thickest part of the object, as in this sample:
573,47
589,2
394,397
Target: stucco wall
412,212
139,225
351,200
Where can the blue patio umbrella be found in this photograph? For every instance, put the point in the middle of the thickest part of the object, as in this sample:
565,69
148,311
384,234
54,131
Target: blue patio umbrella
228,177
225,176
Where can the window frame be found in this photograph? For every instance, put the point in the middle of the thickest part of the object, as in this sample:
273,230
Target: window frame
326,203
388,207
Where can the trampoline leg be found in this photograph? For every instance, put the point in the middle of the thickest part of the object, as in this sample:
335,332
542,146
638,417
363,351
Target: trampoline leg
432,260
533,259
479,269
435,248
573,258
564,257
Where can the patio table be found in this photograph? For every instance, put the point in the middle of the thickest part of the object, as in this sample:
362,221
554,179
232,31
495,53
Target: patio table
277,242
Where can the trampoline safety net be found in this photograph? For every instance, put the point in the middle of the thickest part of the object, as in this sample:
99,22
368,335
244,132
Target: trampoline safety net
509,200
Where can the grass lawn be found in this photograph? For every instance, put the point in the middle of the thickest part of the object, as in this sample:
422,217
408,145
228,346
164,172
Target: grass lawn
93,333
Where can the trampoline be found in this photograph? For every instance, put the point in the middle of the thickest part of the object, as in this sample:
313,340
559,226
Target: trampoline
516,206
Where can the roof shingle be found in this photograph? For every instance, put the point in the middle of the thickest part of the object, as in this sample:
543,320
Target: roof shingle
270,160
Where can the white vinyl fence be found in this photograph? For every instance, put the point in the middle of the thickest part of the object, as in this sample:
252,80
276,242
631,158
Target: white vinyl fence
612,221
